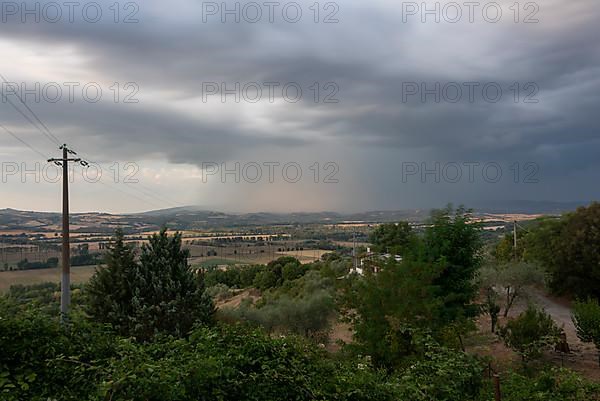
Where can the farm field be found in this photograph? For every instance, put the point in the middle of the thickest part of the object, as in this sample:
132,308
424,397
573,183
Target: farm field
306,255
82,274
25,277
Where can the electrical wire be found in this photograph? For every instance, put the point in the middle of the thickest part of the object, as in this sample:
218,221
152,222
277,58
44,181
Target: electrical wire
24,142
50,136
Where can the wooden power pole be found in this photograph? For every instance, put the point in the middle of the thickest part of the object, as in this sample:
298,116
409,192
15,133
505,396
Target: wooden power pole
515,238
65,281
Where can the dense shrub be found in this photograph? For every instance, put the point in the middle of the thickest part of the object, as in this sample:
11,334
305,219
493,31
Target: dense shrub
86,259
553,384
230,276
44,296
43,360
263,277
48,264
219,292
304,306
442,374
530,333
568,249
586,317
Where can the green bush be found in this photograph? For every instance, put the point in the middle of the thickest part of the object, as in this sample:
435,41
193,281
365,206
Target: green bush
586,317
304,306
554,384
263,277
43,360
219,292
266,279
530,333
229,276
442,374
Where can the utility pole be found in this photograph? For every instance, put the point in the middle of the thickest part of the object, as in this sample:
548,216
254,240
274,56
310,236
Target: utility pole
354,261
515,238
65,281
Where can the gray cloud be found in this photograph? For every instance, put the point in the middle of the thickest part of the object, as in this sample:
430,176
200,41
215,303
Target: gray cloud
369,54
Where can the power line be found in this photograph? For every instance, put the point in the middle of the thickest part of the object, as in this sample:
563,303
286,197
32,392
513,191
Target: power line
29,119
149,192
50,136
130,194
99,181
163,196
48,133
23,141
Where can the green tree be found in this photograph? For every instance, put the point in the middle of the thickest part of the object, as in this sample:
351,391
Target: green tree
586,317
277,271
292,270
513,279
266,279
110,290
394,238
453,243
160,294
516,278
390,309
568,249
248,274
432,289
306,308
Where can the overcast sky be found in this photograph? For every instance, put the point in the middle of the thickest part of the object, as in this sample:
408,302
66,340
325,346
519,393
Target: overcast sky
343,106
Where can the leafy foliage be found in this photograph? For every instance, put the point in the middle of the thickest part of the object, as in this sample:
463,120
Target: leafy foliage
530,333
504,251
394,238
43,360
452,243
263,277
513,279
568,250
586,317
442,374
401,312
431,289
27,265
219,292
160,294
304,306
385,307
555,384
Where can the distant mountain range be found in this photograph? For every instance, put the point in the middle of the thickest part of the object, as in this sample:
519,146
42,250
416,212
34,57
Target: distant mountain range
194,217
526,206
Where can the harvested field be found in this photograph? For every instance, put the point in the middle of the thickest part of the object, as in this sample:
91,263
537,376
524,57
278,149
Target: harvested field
25,277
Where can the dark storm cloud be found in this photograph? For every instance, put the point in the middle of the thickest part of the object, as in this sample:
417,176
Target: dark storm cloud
369,55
